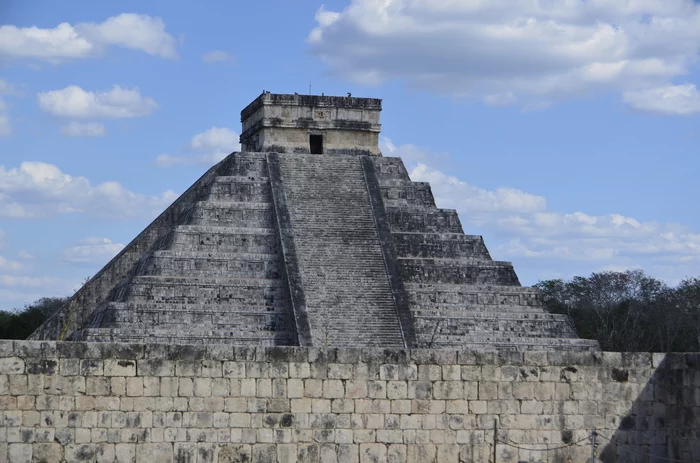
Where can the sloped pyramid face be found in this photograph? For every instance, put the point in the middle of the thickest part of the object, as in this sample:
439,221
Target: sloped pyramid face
311,250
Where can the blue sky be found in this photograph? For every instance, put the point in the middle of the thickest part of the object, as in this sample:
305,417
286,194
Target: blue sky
565,132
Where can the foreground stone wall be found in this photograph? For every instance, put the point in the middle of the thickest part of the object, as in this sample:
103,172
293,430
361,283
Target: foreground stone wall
157,403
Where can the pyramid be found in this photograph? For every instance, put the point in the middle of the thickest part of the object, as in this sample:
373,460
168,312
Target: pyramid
310,237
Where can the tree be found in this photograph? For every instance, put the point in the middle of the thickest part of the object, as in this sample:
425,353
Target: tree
629,311
19,324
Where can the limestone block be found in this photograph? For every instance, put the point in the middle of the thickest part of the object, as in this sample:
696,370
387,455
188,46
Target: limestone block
348,453
154,453
211,369
202,387
185,387
449,390
299,370
134,387
220,387
400,406
313,388
11,366
321,406
114,367
420,390
301,405
426,453
333,389
372,453
308,452
376,389
47,453
234,369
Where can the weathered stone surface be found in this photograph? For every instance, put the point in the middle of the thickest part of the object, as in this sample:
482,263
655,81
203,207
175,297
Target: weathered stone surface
282,247
420,405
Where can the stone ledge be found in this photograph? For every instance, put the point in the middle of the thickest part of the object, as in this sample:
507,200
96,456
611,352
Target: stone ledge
127,351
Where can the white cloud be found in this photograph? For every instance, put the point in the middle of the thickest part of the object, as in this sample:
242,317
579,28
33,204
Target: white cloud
5,128
118,102
92,250
215,56
23,254
37,189
539,239
7,88
529,52
83,129
208,148
216,139
7,265
84,40
671,99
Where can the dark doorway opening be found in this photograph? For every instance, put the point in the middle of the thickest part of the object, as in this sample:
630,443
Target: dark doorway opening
316,144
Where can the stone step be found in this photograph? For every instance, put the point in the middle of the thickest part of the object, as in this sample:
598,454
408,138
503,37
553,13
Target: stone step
439,245
430,307
241,189
340,256
516,328
505,338
206,263
423,219
195,290
241,214
518,313
496,295
154,306
388,168
491,343
247,165
196,337
456,271
418,193
224,239
186,320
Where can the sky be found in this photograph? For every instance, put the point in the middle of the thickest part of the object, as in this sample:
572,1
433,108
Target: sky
566,132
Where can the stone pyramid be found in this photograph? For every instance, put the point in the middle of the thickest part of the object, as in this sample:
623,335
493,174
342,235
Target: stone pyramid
310,237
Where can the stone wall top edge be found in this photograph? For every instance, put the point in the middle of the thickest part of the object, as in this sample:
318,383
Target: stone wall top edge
105,350
310,100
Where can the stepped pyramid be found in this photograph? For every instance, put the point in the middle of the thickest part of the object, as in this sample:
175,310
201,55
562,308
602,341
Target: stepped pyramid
310,237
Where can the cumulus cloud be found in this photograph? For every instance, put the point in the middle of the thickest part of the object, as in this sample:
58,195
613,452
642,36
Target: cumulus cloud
37,189
85,40
4,119
671,99
7,265
216,56
7,88
92,250
83,129
75,102
23,254
529,53
207,148
525,230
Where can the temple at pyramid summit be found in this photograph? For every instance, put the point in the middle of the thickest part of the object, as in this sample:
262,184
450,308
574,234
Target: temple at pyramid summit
310,237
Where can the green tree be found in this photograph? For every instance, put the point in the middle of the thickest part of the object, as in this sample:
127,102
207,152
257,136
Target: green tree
629,311
19,324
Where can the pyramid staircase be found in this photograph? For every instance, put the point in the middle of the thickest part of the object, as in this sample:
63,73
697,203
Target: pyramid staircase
458,296
214,277
324,250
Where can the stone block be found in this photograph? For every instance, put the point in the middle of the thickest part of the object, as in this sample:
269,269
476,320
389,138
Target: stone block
114,367
11,366
373,453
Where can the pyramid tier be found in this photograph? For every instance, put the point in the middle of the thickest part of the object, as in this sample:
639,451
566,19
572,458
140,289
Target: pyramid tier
439,245
457,271
423,219
209,263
